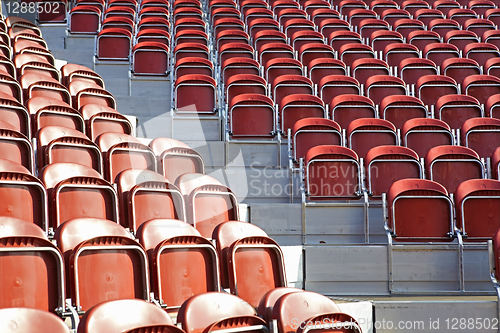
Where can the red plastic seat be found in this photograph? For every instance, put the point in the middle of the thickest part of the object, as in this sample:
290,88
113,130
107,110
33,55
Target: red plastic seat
460,68
445,6
364,68
422,38
293,25
85,19
461,15
451,165
337,39
439,52
262,24
185,50
275,50
282,66
95,250
121,152
495,164
71,199
406,26
14,113
188,36
310,132
492,37
322,67
322,13
456,109
251,261
57,144
397,52
431,87
114,44
154,22
251,115
9,86
481,87
346,108
365,133
331,25
71,72
16,147
477,217
385,165
27,255
286,85
357,15
369,26
299,106
345,6
223,12
226,311
399,109
419,210
25,319
245,84
53,112
380,39
351,52
84,92
127,315
392,15
312,51
478,26
231,36
305,309
334,85
481,6
379,6
411,69
422,134
482,135
492,105
267,302
320,184
443,26
231,50
380,86
460,38
100,119
175,248
194,65
287,14
150,58
195,94
208,202
426,15
481,52
268,37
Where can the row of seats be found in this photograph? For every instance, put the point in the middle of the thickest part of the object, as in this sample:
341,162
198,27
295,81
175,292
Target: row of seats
97,260
289,309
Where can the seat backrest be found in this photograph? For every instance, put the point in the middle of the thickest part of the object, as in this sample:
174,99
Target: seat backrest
366,133
122,315
23,320
482,135
310,132
421,134
398,109
267,302
456,109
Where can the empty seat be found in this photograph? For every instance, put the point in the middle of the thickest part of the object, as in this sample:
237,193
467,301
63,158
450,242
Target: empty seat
460,38
195,94
25,320
332,172
182,263
385,165
195,65
226,312
251,262
364,68
320,68
339,38
311,51
357,15
481,135
267,37
422,38
100,119
492,105
71,72
15,146
236,66
395,53
303,309
476,202
102,262
53,112
146,195
322,13
431,87
411,69
299,106
114,44
419,210
84,92
126,315
185,50
23,195
366,133
406,26
380,86
208,202
296,24
282,66
251,116
456,109
451,165
380,39
15,114
421,134
392,15
481,86
439,52
478,26
275,50
368,26
460,68
57,144
286,85
445,6
426,15
267,302
84,19
231,50
346,108
245,84
334,85
175,158
346,6
492,37
311,132
350,52
150,58
443,26
461,15
122,152
398,109
481,52
9,86
331,25
77,191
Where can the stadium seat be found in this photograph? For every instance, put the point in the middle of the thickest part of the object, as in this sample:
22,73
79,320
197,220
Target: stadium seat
366,133
321,13
126,315
398,109
251,116
339,38
364,68
478,26
456,109
286,85
309,52
185,50
346,108
208,202
384,165
9,86
331,25
14,113
195,93
234,66
301,38
492,37
114,44
245,84
334,85
102,262
451,165
332,172
71,72
182,263
27,256
251,263
85,19
271,51
477,217
146,195
267,37
100,119
268,300
226,312
422,38
481,52
397,52
153,35
406,26
422,134
15,146
460,38
357,15
482,135
351,52
299,106
392,15
195,65
57,144
83,92
122,152
426,15
150,58
380,86
460,68
381,38
53,112
461,15
431,87
282,66
320,68
175,158
481,87
311,132
491,106
411,69
25,320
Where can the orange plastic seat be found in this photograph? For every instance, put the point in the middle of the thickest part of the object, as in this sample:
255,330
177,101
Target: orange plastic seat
24,320
100,119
